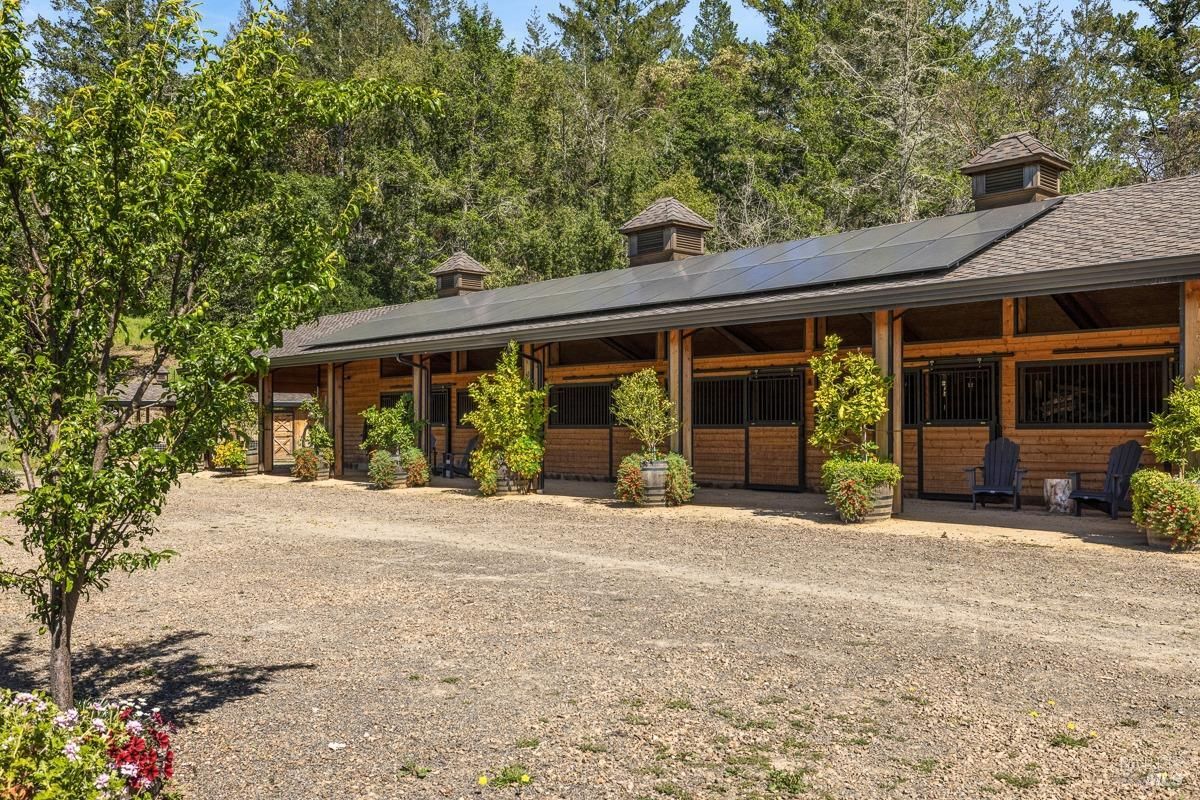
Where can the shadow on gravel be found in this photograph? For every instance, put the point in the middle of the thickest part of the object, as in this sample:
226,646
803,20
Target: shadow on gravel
168,671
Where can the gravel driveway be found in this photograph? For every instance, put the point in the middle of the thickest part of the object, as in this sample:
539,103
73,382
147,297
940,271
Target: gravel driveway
327,641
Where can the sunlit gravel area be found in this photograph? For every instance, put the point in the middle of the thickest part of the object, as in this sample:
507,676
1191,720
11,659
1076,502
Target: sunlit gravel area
328,641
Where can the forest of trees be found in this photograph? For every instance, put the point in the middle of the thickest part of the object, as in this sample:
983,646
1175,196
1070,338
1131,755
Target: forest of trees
849,113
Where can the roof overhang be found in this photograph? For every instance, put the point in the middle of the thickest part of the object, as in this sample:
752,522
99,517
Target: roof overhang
915,291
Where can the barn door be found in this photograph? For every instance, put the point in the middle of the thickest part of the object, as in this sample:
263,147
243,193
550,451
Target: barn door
775,431
960,415
283,429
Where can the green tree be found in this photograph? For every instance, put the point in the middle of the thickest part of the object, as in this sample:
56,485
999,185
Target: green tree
713,31
132,196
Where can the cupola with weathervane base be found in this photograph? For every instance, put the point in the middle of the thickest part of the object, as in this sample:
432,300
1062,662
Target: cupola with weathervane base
1017,168
459,274
666,231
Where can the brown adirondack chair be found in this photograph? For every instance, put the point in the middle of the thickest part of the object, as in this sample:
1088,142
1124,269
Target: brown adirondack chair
1000,474
1123,461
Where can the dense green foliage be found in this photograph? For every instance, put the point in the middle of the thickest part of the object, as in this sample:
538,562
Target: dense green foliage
382,469
849,113
850,484
1168,505
680,486
850,398
509,418
1174,435
230,454
640,403
147,186
393,429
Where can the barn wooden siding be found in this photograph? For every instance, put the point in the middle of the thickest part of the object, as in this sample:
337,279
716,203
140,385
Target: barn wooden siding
720,455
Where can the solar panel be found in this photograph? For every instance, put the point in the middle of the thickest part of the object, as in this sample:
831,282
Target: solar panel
886,251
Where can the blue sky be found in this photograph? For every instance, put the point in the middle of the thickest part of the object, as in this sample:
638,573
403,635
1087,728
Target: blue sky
219,14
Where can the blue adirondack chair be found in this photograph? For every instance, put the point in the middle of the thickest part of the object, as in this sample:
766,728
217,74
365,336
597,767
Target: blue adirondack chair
1123,461
1000,474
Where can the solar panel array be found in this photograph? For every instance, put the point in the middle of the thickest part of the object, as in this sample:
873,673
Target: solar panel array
927,245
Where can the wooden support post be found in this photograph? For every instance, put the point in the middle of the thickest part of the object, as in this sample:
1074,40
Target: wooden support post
1189,333
887,344
266,445
679,389
422,389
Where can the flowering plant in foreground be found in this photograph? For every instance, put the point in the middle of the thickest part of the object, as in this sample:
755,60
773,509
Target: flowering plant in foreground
97,752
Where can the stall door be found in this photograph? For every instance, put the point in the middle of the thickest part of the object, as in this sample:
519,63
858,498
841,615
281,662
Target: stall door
775,434
960,416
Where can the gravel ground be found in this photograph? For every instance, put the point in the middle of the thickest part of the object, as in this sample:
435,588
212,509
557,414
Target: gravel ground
610,652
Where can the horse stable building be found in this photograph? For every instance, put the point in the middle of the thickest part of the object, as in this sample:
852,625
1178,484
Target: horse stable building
1056,321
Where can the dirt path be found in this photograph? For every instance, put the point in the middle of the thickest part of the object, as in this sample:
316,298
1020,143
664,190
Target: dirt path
628,653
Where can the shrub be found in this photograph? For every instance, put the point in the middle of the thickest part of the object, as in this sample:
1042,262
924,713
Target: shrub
849,484
307,467
99,751
1167,505
9,480
393,429
641,405
509,419
680,486
382,470
230,454
1174,434
316,436
851,397
417,467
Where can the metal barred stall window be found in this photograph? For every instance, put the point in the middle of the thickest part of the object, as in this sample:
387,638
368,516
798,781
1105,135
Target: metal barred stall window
464,405
1109,393
581,405
761,400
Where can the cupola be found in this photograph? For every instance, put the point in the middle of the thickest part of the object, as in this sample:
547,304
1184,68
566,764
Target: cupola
666,231
1017,168
459,274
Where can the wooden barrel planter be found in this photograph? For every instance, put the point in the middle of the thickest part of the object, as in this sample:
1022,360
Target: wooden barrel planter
654,479
881,503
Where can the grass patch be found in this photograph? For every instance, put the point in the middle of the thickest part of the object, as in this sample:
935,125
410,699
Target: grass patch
414,770
1067,740
1016,781
512,775
789,782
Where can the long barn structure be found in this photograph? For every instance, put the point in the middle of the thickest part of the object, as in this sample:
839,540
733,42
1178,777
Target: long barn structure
1057,321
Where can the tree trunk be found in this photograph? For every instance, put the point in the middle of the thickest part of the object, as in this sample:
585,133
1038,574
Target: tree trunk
63,605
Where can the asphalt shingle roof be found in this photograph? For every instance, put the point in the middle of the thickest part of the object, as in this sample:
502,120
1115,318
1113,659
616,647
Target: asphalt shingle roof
1014,148
460,262
666,211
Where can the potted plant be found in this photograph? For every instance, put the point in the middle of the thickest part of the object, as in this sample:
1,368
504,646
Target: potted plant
650,476
1166,506
509,418
851,397
313,457
393,431
231,455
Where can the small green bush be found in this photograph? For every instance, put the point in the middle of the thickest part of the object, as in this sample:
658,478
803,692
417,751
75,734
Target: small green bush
1167,505
382,470
849,484
307,466
230,454
416,467
9,480
641,405
680,487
